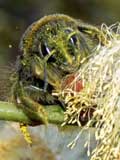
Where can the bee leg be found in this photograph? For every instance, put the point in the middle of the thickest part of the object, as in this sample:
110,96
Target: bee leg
33,110
26,134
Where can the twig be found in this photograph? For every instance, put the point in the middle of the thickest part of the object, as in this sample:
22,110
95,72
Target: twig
9,112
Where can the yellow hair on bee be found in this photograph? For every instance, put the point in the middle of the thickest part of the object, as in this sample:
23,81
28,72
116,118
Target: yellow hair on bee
26,134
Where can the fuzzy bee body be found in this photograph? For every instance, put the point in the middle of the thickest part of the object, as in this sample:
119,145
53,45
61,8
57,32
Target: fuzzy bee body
52,48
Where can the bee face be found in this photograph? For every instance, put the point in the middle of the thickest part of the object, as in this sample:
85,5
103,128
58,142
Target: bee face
56,40
60,43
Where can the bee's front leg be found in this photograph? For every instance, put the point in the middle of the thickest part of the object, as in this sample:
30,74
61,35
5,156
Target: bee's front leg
34,110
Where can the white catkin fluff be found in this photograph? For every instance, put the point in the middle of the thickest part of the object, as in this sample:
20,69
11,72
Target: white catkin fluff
101,79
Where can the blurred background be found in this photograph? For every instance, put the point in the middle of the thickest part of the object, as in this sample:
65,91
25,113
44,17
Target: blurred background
17,15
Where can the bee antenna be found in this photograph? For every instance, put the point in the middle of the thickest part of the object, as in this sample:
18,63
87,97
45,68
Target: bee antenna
45,78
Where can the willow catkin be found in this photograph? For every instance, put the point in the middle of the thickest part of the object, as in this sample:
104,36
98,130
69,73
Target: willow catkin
101,94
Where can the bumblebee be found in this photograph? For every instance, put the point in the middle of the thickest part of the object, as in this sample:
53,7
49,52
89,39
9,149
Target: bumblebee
51,48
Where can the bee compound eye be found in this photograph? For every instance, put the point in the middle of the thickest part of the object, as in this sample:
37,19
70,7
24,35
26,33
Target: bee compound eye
73,40
44,50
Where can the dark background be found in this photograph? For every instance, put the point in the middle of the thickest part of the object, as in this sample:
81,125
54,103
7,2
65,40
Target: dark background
17,15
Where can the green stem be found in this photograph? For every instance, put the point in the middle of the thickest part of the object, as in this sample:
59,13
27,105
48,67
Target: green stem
9,112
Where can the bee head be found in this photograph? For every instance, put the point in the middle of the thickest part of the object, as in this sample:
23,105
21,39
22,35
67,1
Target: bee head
56,40
61,41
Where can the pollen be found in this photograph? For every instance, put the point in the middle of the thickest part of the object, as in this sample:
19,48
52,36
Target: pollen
26,134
